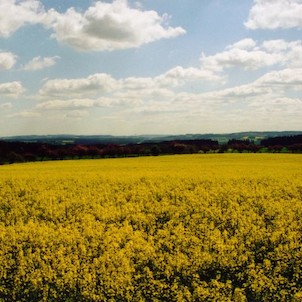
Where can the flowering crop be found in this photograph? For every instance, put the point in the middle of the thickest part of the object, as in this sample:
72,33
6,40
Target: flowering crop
220,227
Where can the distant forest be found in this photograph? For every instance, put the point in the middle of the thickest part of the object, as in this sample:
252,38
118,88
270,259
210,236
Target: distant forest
20,151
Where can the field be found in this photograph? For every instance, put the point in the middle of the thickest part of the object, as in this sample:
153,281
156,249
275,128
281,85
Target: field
220,227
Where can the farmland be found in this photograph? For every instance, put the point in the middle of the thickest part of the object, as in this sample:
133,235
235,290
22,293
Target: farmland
216,227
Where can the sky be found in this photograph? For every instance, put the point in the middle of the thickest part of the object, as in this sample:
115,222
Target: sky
150,67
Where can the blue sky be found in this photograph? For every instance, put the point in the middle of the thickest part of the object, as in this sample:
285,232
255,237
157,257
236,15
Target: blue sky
150,67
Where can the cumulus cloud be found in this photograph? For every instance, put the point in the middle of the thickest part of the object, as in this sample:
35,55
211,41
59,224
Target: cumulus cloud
105,91
94,84
167,93
237,94
143,94
109,26
15,14
242,54
250,55
7,60
38,63
66,104
12,89
247,43
175,77
267,89
265,97
291,52
99,85
179,76
103,26
290,78
277,45
273,14
273,85
241,92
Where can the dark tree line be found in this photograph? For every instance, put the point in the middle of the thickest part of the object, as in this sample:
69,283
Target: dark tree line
292,143
11,152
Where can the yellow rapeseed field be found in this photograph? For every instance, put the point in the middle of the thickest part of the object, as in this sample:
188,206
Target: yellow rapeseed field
219,227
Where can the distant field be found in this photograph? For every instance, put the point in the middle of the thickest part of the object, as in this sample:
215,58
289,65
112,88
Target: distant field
219,227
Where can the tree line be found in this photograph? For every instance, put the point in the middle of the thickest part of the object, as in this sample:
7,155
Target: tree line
13,152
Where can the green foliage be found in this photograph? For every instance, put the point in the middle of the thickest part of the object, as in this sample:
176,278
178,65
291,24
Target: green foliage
224,227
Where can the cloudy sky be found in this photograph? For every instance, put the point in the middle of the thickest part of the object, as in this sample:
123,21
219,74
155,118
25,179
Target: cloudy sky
150,67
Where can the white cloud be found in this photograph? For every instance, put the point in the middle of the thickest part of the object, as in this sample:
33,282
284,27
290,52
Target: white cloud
175,77
276,45
241,54
15,14
103,26
179,76
100,85
153,96
273,85
294,54
291,52
7,60
251,104
94,84
243,44
38,63
11,89
290,78
250,55
66,104
271,89
273,14
237,94
240,93
109,26
137,83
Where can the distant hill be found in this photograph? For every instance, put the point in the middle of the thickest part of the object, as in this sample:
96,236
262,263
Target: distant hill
55,147
66,139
